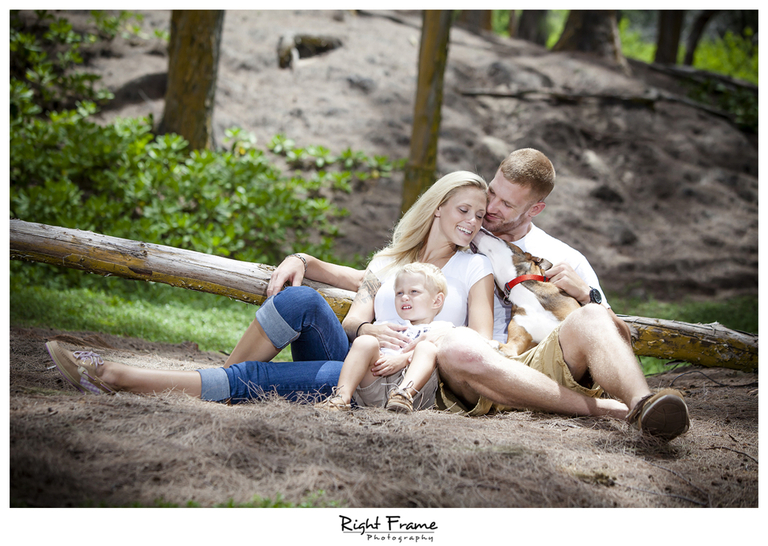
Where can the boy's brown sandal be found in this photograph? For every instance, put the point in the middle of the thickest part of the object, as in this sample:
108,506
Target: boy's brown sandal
334,403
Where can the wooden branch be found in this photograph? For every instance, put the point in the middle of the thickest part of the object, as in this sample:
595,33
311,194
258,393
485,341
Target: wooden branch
112,256
703,344
647,99
702,76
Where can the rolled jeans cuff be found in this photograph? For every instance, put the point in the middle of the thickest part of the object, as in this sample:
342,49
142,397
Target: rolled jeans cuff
215,384
278,331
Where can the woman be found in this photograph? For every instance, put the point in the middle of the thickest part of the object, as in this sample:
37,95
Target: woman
435,230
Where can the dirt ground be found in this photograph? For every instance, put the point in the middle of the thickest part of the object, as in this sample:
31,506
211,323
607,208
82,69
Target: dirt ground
68,449
669,186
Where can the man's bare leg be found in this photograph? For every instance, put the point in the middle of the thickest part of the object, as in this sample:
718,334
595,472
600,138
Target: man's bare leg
470,368
590,341
254,345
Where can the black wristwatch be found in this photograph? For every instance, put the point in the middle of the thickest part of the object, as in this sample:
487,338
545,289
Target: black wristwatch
595,296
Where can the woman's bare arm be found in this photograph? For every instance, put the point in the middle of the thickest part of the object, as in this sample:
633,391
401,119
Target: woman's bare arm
480,307
292,272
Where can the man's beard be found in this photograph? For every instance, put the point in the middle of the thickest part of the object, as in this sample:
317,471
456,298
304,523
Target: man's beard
499,227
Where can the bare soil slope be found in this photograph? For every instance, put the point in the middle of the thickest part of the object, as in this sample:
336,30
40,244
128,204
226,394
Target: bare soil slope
661,197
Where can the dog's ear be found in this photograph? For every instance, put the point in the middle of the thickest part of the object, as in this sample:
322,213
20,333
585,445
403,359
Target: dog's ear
541,262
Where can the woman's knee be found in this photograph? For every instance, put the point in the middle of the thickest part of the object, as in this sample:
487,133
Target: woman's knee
296,306
297,297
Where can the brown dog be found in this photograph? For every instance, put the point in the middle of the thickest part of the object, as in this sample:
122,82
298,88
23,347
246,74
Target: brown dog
537,306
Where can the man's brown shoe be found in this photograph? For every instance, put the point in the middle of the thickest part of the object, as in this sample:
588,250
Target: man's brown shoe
663,414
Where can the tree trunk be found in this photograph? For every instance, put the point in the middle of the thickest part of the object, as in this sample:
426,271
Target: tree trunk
433,54
699,24
193,60
595,32
476,20
668,43
533,26
702,344
512,24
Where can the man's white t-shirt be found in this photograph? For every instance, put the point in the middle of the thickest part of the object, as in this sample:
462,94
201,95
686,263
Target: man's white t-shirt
541,244
461,272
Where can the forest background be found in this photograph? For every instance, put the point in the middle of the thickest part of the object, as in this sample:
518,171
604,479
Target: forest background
259,202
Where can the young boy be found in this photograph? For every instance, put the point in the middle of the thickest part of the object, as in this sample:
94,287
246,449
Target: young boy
420,291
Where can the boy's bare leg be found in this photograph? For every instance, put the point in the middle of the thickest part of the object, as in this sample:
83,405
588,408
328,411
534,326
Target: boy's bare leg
356,371
254,345
421,367
470,368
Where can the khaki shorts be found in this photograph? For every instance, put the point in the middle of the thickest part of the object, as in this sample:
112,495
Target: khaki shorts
546,357
377,393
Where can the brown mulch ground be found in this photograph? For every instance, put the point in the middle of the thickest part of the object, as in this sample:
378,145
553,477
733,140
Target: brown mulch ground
138,449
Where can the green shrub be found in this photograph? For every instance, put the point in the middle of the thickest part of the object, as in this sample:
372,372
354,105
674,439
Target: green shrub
122,181
633,45
733,55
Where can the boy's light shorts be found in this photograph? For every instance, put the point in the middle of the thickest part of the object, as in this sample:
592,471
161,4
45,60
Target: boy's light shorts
377,393
546,357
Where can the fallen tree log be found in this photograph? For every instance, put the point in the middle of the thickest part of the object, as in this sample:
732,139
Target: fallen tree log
702,344
112,256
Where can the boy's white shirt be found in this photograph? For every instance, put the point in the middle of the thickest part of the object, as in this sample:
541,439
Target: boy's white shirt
413,331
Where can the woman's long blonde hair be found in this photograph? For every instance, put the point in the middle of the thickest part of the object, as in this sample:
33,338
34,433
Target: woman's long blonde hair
412,230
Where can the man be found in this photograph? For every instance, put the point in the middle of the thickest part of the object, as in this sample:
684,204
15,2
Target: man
567,372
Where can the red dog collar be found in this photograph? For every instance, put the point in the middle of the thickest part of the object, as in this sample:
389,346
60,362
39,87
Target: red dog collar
514,282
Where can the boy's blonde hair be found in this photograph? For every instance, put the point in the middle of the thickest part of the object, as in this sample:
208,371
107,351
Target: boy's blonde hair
434,279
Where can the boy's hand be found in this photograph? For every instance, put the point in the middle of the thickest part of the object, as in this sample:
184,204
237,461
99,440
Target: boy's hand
435,334
389,364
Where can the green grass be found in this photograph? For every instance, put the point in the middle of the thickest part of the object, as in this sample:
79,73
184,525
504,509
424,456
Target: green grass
158,313
740,313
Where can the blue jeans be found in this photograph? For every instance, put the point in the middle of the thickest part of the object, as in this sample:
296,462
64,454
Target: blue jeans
299,316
